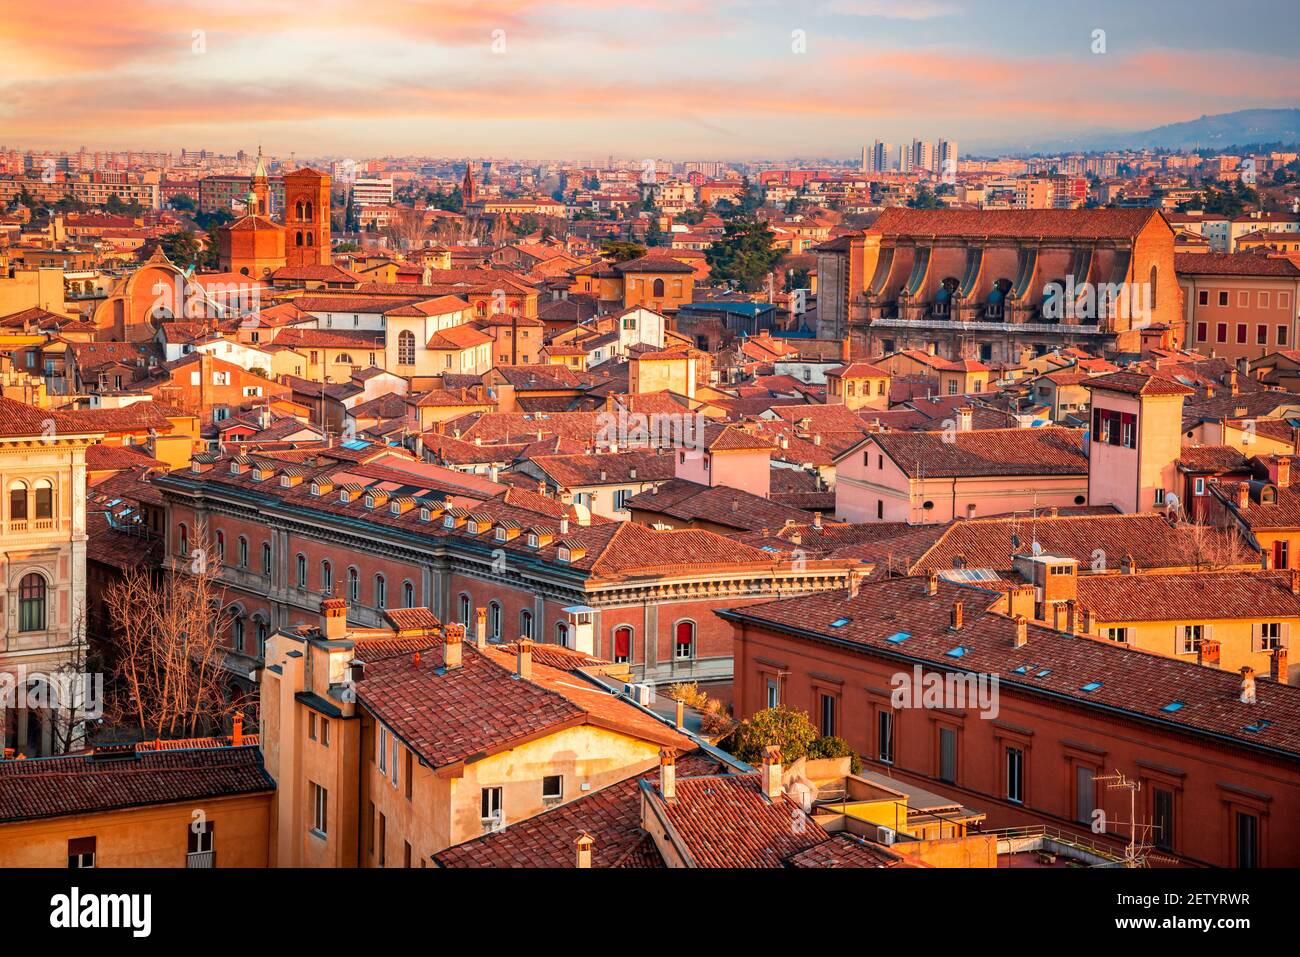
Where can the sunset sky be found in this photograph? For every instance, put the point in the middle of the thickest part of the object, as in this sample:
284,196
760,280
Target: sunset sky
580,79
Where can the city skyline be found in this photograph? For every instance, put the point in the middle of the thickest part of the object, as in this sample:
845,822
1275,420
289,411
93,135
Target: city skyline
750,79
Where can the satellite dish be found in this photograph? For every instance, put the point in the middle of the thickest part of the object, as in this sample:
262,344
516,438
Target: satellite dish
1038,549
1172,499
1015,541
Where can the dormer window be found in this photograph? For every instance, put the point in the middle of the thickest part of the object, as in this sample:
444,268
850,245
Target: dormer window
563,553
449,521
501,535
532,539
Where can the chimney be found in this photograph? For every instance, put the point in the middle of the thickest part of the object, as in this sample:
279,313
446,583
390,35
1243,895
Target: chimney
1283,470
1071,617
480,627
954,623
1247,685
770,776
237,729
932,584
668,774
1087,621
1207,653
679,719
1243,495
1295,581
453,645
564,525
584,845
963,418
1277,665
524,658
334,611
1232,381
1127,565
817,521
854,582
1022,631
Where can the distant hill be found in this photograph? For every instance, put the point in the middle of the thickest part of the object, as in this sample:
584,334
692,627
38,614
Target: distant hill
1222,130
1225,129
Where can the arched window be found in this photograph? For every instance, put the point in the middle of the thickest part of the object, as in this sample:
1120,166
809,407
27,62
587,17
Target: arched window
622,644
243,552
464,609
326,578
684,640
309,239
221,546
31,603
408,595
344,358
381,592
302,570
18,502
1153,286
354,585
266,558
298,212
261,638
480,308
182,539
297,238
525,624
494,620
658,288
44,499
562,634
310,212
406,348
237,632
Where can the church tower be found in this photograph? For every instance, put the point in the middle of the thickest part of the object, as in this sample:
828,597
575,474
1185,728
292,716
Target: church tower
467,185
307,217
259,193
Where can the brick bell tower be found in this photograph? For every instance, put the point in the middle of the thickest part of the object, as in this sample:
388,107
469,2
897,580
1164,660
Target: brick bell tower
307,218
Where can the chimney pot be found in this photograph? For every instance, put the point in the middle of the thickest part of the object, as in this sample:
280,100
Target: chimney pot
480,627
668,774
237,730
1207,653
771,772
1277,665
817,521
334,611
453,645
524,658
680,717
584,845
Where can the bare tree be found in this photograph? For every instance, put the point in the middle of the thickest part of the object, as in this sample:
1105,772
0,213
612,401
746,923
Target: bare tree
79,692
407,227
1210,547
170,630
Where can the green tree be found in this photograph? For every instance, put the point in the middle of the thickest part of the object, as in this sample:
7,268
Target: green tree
622,251
744,255
925,199
182,203
184,249
788,729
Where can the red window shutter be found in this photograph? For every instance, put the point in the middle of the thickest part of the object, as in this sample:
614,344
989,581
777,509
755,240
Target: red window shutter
623,643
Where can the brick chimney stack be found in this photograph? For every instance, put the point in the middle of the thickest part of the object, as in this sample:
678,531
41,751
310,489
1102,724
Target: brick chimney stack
1022,631
668,774
932,584
584,845
1207,653
770,775
1283,470
237,730
524,658
453,645
1243,495
334,614
480,627
1247,685
1277,665
955,620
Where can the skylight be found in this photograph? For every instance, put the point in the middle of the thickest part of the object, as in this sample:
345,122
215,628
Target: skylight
898,637
1044,673
957,652
1091,686
840,622
1022,670
1259,725
1172,706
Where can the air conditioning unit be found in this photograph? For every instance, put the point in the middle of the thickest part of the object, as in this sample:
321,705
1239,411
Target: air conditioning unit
885,835
643,693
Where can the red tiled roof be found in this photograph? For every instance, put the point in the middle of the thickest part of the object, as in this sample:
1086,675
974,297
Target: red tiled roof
1014,223
1235,264
81,784
1043,451
1134,383
1189,597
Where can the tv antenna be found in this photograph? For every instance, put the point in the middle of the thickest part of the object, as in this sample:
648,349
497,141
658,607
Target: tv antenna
1139,852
